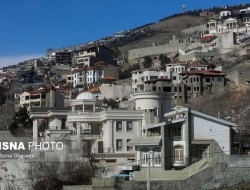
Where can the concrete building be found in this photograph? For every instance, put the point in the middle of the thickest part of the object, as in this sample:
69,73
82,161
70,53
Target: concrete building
89,55
185,137
44,97
140,76
91,75
172,81
87,127
228,21
202,82
174,69
63,57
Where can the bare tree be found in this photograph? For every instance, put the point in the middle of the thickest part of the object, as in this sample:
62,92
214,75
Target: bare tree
53,175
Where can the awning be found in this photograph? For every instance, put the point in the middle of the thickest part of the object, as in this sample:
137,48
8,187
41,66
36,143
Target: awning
155,140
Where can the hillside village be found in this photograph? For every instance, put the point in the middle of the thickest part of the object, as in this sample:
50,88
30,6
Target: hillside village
170,110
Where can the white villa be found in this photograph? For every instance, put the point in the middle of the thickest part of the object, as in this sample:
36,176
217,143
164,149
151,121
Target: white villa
104,132
185,136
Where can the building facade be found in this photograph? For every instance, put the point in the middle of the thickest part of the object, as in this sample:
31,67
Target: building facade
185,137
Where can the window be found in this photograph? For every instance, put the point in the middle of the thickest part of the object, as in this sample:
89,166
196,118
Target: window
129,148
178,154
63,123
207,79
219,79
119,145
180,89
177,133
174,78
118,126
167,89
157,157
198,79
203,151
129,126
145,157
189,88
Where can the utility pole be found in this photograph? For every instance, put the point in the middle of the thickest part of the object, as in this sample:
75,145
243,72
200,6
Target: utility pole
148,172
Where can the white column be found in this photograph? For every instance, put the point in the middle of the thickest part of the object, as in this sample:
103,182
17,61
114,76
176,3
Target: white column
73,108
94,107
35,130
78,134
109,135
83,108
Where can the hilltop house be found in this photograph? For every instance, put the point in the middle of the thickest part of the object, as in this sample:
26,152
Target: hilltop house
43,97
87,56
183,80
91,75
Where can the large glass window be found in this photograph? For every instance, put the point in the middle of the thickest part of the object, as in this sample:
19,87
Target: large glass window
118,126
119,145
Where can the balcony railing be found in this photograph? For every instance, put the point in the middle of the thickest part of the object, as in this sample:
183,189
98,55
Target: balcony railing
80,115
91,132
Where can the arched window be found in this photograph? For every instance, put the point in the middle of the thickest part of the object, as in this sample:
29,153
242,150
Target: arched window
178,154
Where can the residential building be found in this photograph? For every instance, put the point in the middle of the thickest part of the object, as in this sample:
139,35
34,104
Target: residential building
63,57
202,82
185,137
140,76
43,97
173,81
92,75
174,69
69,79
87,56
228,21
105,132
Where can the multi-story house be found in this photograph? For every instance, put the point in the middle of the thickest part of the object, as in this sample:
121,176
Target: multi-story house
171,80
185,137
43,97
89,55
202,82
91,75
103,132
228,21
172,72
86,76
63,57
174,69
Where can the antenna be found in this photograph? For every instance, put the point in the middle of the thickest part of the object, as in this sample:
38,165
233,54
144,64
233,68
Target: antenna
183,8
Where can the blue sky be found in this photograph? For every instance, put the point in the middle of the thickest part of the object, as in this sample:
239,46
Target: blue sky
29,27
